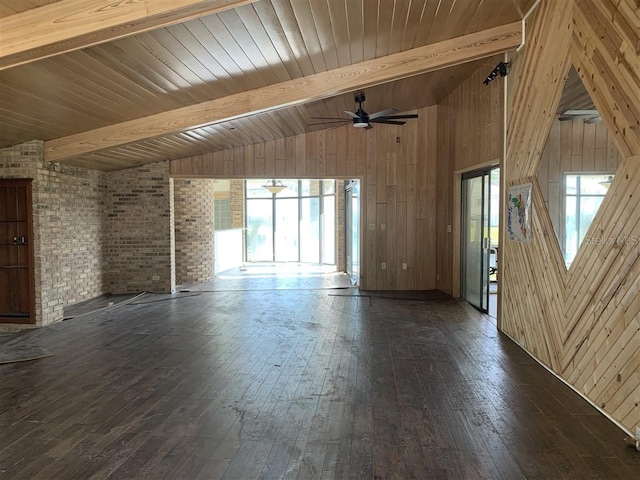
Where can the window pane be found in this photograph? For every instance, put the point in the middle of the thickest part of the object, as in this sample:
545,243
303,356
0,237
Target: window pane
286,230
310,231
571,188
571,234
222,214
593,184
583,196
290,191
259,233
588,208
329,230
328,187
310,188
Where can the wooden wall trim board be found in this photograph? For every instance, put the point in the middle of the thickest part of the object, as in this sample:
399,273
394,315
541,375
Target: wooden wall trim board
292,92
583,323
70,25
397,166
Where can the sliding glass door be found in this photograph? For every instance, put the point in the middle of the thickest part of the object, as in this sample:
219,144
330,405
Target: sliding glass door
479,241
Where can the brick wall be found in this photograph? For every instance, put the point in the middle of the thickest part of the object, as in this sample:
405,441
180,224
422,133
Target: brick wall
140,234
70,202
237,203
68,229
194,230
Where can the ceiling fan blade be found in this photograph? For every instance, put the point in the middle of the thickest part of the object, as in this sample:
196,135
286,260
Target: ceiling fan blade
351,114
564,118
411,115
330,118
327,123
383,113
388,122
592,113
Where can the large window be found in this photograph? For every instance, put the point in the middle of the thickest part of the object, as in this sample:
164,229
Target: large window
296,224
583,196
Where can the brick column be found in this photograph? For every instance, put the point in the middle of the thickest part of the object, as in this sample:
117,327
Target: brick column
194,230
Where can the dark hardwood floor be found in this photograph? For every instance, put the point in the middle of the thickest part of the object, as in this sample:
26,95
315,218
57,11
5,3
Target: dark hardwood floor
294,384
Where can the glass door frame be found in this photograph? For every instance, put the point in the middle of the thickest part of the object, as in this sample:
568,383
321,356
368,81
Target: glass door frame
485,243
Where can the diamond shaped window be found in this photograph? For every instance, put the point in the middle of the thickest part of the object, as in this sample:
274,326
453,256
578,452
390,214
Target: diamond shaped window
577,166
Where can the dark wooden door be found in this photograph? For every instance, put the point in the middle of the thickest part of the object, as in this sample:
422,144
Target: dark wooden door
16,252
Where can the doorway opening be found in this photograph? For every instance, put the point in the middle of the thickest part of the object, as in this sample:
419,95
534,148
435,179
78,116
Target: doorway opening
480,240
352,230
287,232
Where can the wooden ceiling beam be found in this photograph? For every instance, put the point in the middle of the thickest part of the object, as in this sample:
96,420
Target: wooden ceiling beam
293,92
70,25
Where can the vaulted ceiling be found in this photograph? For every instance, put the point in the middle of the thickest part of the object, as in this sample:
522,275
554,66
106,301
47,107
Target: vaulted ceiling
277,49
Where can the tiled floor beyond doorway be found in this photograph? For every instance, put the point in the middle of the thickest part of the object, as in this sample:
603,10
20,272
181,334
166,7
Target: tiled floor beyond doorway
301,383
276,276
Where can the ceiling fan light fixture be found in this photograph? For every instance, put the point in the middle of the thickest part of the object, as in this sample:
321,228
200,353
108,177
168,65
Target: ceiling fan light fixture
360,124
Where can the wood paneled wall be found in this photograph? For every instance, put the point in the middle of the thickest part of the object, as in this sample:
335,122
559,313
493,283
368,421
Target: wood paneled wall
585,323
470,126
573,146
398,168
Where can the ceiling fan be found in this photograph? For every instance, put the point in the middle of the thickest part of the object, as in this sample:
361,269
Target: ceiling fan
589,116
362,119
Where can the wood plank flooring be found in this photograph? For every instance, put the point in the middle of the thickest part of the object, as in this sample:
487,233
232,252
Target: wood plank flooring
294,384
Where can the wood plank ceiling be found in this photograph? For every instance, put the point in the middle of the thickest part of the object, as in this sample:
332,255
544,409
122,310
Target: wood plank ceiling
9,7
252,46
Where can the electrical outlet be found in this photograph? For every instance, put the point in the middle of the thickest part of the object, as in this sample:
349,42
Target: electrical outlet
404,266
372,226
155,277
383,226
448,228
384,266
